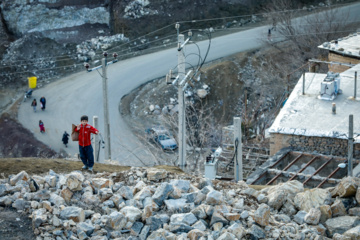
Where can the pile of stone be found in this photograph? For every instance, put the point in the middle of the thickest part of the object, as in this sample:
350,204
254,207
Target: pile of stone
87,50
150,203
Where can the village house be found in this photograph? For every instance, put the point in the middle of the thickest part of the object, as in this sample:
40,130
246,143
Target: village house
344,50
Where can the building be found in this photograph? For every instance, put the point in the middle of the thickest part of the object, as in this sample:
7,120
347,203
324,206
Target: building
307,122
344,50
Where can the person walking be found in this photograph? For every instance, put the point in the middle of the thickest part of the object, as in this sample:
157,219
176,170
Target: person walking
269,35
85,149
33,104
43,103
65,138
41,126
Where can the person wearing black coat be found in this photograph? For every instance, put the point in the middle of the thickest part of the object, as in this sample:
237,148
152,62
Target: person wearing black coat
65,138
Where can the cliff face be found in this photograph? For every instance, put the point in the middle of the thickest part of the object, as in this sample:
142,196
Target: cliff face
32,30
59,19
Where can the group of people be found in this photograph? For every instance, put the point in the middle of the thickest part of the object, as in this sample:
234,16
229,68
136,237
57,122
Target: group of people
42,103
84,131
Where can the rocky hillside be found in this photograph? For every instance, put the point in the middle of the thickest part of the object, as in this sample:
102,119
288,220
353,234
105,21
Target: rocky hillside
149,203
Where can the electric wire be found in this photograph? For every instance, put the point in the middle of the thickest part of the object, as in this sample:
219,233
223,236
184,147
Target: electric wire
203,20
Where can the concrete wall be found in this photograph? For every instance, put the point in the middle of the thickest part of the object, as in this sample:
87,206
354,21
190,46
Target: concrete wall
335,57
322,145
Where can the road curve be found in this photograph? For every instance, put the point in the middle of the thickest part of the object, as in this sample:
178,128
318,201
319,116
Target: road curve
81,93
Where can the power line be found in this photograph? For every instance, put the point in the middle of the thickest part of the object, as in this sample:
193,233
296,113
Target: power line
165,37
195,21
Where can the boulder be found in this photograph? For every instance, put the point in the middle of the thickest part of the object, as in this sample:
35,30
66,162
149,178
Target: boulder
262,215
73,213
341,224
357,196
313,216
116,221
195,234
132,214
185,218
175,205
325,213
162,193
105,194
338,208
74,181
125,192
214,198
154,174
346,188
217,217
313,198
183,185
102,183
20,176
353,233
142,194
66,194
277,195
86,227
200,225
238,230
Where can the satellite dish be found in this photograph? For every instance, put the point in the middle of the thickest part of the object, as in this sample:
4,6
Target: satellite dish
342,165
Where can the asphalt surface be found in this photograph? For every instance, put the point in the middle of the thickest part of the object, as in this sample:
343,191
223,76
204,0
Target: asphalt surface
81,93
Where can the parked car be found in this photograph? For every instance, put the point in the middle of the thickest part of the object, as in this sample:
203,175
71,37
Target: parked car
162,137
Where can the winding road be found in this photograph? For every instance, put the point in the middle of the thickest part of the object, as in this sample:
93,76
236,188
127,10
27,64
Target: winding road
81,93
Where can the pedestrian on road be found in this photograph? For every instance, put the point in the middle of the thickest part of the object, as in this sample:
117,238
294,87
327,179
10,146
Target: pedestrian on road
269,34
43,103
33,104
65,138
85,148
41,126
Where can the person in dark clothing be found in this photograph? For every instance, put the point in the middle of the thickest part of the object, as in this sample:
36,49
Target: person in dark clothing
43,103
33,104
65,138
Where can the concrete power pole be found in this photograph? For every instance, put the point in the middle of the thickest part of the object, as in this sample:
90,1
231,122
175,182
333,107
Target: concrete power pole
106,111
238,167
182,107
96,139
350,145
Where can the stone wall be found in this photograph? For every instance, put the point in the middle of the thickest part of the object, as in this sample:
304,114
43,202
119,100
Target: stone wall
335,57
322,145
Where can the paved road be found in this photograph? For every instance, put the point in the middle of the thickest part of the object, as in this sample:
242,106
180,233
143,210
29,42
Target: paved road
81,93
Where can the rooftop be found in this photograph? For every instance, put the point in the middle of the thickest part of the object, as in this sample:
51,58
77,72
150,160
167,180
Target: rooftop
310,116
349,45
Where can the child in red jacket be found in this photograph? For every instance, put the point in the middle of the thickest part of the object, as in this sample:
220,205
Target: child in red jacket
86,151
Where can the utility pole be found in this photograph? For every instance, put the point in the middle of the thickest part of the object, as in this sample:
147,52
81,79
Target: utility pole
96,139
238,166
350,145
182,107
103,65
106,111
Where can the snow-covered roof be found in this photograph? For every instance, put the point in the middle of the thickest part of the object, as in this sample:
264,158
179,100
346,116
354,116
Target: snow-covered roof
349,45
310,116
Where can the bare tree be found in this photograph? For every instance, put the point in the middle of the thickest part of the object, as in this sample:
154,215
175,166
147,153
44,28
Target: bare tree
308,32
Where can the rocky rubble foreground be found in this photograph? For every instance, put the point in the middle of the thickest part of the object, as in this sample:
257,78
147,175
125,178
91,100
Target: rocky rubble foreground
149,203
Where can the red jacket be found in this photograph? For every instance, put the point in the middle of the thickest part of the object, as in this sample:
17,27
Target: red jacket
85,133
